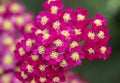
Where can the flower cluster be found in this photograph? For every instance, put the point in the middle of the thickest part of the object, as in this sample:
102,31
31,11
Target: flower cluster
14,23
60,39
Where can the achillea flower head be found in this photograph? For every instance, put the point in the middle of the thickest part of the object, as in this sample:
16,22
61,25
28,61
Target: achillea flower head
60,39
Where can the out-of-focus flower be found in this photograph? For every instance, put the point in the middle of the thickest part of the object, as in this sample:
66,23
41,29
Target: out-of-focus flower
54,45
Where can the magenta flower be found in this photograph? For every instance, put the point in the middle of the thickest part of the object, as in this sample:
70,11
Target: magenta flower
59,40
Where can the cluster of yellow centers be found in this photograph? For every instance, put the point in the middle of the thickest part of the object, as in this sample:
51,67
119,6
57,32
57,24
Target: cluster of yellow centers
80,17
42,79
77,31
91,35
75,56
44,20
54,55
29,42
8,59
35,57
2,9
56,79
23,75
19,20
66,17
98,22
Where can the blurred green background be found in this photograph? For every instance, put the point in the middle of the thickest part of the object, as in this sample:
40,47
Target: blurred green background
98,71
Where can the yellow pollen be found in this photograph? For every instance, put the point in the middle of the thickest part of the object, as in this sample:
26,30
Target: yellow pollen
1,70
91,35
34,57
2,9
14,8
54,55
33,81
23,75
103,49
8,60
8,41
45,31
30,68
66,17
6,79
29,42
98,22
56,79
56,25
58,43
21,51
42,67
101,35
54,9
73,44
44,20
63,63
7,25
91,51
41,49
80,17
46,36
42,79
38,32
77,31
65,33
19,20
28,28
75,56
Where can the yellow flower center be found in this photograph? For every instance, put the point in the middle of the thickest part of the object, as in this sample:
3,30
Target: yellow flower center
42,79
73,44
56,79
30,68
101,35
58,43
98,22
54,9
6,79
56,25
20,20
23,75
29,42
41,49
38,32
91,51
77,31
91,35
7,25
80,17
54,55
103,49
8,59
14,8
28,28
33,81
42,67
35,57
44,20
8,41
66,17
2,9
21,51
65,33
63,63
75,56
46,36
